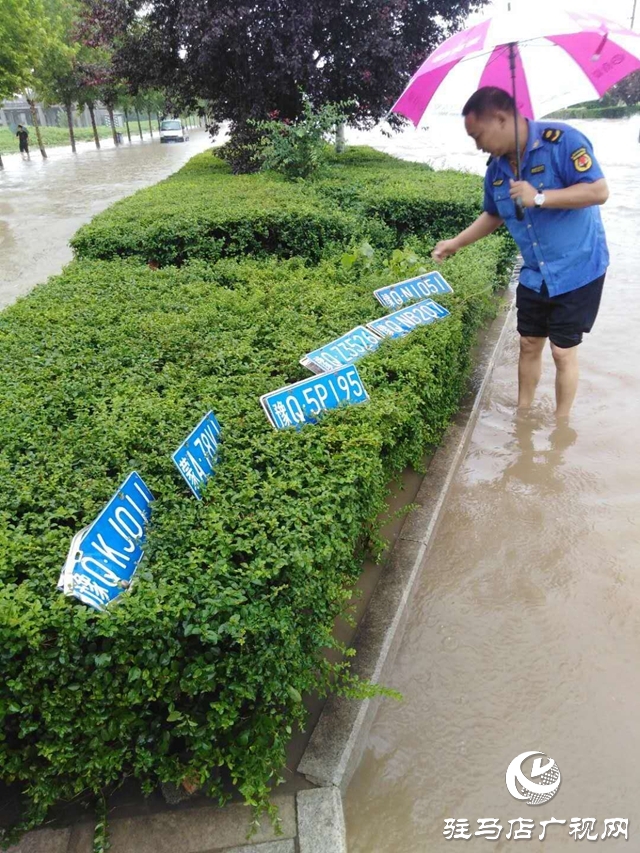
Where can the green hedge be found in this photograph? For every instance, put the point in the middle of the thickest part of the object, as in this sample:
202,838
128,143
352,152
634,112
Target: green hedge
203,211
199,671
596,112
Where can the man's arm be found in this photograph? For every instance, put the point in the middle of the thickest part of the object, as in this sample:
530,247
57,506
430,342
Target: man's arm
484,225
569,198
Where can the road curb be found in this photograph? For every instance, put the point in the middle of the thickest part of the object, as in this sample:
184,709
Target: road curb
338,740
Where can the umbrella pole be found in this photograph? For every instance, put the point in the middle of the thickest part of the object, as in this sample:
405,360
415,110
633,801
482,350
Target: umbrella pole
512,66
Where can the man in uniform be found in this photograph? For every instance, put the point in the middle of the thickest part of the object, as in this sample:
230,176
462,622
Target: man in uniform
23,141
561,237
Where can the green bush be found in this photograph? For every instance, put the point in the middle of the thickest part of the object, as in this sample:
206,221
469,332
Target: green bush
199,671
209,213
298,149
620,111
203,211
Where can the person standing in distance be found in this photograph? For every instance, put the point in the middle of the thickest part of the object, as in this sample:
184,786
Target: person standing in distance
23,141
561,237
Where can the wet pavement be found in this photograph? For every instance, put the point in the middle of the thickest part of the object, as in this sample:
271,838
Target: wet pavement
44,202
525,630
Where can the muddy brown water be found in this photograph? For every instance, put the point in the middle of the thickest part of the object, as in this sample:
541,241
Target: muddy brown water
44,202
524,633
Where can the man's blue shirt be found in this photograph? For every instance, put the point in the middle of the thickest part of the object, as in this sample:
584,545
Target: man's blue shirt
564,248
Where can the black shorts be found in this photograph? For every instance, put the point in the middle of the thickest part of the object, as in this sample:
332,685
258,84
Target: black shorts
563,319
24,148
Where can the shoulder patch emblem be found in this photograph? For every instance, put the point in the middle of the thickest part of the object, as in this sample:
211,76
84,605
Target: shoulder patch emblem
499,182
552,134
583,162
578,153
537,169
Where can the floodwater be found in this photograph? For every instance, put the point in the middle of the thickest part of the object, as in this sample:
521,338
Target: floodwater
525,630
524,633
44,202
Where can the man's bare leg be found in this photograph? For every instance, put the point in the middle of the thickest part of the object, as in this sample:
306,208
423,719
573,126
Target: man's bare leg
566,378
529,369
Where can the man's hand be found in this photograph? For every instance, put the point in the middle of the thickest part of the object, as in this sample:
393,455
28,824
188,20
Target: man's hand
444,249
523,190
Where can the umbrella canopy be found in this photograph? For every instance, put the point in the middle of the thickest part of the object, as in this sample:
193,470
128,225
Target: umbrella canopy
562,57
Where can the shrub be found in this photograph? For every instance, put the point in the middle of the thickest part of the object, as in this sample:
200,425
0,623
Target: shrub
203,211
199,671
299,149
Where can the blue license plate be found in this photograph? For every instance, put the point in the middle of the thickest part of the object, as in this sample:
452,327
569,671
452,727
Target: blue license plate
401,322
395,295
104,556
196,456
302,402
344,350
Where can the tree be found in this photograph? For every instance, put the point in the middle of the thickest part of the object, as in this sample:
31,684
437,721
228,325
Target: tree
58,71
22,35
249,60
628,89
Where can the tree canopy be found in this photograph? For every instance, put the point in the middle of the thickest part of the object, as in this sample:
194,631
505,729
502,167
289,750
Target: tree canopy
252,59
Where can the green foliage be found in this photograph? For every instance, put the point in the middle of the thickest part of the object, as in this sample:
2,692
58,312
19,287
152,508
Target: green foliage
23,35
298,149
198,673
55,136
204,211
596,112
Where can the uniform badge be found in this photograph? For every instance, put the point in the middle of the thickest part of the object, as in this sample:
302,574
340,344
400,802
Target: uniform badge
537,169
499,182
552,134
582,160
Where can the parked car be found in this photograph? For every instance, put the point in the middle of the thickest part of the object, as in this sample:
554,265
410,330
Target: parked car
172,130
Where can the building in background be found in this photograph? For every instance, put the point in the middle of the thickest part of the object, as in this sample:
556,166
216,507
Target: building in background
17,111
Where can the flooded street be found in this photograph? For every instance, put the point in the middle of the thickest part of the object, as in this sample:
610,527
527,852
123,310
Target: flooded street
524,633
44,202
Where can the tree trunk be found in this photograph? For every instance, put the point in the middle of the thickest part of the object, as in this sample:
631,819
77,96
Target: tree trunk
126,121
158,120
340,144
93,123
1,163
72,137
150,128
113,124
139,125
36,126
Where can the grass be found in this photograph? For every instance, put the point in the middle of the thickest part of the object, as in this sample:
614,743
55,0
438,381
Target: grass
56,136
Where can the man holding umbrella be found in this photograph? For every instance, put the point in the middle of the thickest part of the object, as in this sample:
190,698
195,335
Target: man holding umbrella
552,213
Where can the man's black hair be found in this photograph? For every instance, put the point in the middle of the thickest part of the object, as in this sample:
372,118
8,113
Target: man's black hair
487,100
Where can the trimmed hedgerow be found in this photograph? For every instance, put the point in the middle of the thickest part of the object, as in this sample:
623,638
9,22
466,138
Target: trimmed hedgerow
203,211
198,673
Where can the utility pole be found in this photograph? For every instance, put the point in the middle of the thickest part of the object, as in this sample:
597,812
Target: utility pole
633,14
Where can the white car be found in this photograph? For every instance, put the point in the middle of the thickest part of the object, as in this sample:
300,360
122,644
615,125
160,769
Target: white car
172,130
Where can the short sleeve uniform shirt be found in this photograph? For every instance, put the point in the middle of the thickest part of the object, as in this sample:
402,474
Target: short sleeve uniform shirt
566,249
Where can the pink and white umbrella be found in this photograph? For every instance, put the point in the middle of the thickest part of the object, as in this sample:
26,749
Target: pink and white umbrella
553,58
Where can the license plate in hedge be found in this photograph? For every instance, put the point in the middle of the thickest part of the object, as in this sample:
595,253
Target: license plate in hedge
344,350
104,556
401,322
196,456
302,402
412,289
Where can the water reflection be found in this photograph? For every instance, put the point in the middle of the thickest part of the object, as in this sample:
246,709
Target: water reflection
532,465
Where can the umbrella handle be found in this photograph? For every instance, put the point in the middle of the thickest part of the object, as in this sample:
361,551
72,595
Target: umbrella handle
519,209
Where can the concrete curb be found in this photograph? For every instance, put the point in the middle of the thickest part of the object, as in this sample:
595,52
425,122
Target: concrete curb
338,740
